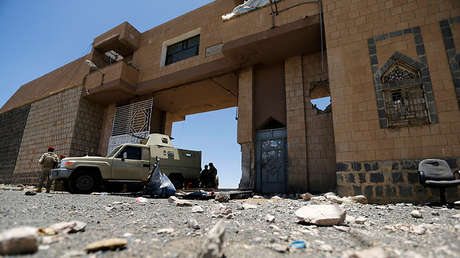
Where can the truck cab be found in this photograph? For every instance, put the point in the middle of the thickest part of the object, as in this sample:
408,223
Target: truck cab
130,164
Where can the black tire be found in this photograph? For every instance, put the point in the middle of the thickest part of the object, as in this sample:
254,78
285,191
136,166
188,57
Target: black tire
82,183
177,180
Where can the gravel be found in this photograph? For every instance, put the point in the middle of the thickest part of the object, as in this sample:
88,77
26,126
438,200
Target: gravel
157,228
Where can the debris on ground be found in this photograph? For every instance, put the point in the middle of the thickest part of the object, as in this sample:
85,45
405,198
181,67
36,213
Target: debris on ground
298,245
213,245
23,240
222,197
65,227
30,193
141,200
197,209
107,244
325,215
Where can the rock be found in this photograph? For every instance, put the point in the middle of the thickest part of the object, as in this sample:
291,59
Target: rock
274,227
435,213
359,199
165,231
173,199
342,228
375,252
213,245
193,224
109,208
141,200
257,197
222,197
334,199
47,231
326,248
457,204
279,248
306,196
197,209
325,215
329,194
419,230
360,220
68,227
416,214
248,206
107,244
270,218
23,240
350,219
182,203
30,193
276,197
74,253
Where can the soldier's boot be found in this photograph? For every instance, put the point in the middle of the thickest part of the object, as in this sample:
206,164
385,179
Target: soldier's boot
48,185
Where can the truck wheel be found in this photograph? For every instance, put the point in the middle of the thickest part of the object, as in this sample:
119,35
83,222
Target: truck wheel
177,180
82,183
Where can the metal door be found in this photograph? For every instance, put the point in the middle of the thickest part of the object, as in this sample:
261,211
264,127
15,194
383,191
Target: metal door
271,161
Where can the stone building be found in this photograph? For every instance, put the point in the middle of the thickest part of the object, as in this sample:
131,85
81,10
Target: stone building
391,69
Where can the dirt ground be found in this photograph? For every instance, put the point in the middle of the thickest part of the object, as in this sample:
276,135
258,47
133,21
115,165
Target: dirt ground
158,228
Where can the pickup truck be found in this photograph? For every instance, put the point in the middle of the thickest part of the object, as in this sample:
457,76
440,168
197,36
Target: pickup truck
129,165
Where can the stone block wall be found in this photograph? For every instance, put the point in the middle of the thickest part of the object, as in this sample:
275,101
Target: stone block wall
389,181
320,131
87,131
12,125
296,126
51,121
361,38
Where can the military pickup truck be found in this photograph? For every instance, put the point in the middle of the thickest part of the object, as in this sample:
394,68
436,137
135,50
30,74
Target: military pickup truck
129,165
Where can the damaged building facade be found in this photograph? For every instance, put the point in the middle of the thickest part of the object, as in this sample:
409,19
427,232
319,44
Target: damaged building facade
391,69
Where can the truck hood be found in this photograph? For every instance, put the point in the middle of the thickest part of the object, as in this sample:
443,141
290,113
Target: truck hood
87,158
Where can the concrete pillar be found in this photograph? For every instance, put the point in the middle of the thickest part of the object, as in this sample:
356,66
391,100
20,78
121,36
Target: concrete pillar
296,131
245,127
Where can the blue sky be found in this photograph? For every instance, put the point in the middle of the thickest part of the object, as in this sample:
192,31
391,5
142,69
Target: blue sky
40,36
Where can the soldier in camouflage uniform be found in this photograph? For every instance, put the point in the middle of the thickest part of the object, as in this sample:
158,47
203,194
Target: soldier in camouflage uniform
48,161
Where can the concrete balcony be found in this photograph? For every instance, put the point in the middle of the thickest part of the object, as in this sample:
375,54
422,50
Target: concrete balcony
113,83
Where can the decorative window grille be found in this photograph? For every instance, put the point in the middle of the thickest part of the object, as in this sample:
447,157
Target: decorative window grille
131,123
404,96
133,118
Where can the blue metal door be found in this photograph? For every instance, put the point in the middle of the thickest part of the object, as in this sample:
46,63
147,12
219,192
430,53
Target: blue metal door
271,161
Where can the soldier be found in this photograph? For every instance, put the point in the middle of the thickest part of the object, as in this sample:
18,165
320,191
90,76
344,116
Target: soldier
212,176
48,161
203,176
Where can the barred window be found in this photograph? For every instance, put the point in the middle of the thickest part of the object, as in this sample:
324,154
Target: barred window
406,106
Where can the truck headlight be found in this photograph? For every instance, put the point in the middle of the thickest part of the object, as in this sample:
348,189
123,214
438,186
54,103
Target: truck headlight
66,163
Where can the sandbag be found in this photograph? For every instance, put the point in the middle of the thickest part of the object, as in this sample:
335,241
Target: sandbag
159,184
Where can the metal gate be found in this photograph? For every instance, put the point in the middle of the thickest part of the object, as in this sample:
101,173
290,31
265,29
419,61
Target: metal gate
271,161
130,121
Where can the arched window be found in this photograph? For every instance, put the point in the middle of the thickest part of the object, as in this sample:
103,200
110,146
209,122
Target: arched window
404,93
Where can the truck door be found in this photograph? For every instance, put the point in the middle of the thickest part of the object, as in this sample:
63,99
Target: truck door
135,166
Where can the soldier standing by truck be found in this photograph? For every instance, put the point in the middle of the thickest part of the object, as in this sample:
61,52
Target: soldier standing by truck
212,176
48,161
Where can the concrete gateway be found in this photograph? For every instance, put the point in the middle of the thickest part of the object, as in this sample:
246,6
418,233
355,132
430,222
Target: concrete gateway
391,69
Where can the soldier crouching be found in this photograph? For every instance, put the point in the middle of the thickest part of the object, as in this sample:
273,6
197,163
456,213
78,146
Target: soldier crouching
48,161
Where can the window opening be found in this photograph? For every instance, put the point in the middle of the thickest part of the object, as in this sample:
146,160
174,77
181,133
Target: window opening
183,50
320,97
134,153
322,105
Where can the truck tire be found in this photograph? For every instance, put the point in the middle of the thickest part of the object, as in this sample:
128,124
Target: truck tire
82,183
177,180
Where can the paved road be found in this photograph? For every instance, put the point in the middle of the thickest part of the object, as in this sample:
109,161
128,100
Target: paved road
248,234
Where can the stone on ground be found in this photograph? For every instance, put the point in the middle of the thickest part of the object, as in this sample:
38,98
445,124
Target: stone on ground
213,245
325,215
68,227
173,199
306,196
416,214
359,199
182,203
270,218
107,244
23,240
197,209
248,206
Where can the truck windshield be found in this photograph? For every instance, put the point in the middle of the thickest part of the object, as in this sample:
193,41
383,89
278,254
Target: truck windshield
114,151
